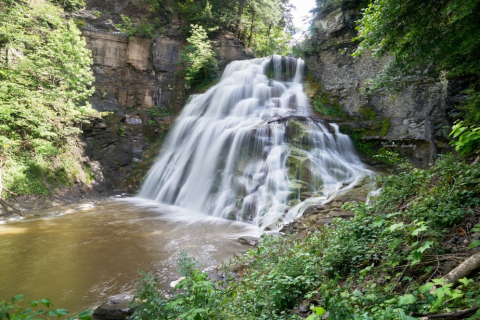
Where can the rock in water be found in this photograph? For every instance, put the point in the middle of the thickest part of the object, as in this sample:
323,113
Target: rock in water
251,241
116,309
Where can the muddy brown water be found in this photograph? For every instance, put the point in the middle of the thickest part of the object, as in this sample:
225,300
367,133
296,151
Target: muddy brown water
81,255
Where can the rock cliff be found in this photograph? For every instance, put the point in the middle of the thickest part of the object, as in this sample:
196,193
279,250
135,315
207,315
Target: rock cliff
135,80
418,118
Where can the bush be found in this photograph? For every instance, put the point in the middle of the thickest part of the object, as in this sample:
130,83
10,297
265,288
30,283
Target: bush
45,80
13,310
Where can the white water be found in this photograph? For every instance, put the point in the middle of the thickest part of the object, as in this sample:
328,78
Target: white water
223,157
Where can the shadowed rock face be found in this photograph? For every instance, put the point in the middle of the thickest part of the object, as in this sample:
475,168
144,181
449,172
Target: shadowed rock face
131,76
417,115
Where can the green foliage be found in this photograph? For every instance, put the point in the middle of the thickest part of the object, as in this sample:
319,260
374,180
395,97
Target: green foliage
467,139
13,310
475,243
72,5
268,23
198,58
420,34
351,270
140,29
368,113
89,174
322,102
440,195
45,79
194,299
156,111
121,130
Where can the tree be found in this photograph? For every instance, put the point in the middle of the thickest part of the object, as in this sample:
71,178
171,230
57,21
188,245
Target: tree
199,56
45,80
425,37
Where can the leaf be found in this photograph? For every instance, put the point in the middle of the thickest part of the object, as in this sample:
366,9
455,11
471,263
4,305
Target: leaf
465,281
407,299
418,230
3,313
426,288
319,311
85,315
426,246
439,292
395,244
395,226
46,302
312,317
17,298
474,244
62,312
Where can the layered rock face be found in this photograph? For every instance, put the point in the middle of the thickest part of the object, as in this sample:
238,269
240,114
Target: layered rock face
135,80
419,116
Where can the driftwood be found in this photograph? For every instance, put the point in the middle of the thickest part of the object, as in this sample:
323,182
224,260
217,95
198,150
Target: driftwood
461,314
464,269
4,203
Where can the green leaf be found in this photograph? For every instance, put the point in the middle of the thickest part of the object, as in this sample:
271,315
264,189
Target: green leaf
46,302
17,298
426,246
426,288
474,244
395,226
465,281
419,230
3,313
407,299
85,315
319,311
62,312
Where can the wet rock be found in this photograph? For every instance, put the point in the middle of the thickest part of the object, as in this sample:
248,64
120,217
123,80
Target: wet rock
340,214
322,222
315,209
116,309
251,241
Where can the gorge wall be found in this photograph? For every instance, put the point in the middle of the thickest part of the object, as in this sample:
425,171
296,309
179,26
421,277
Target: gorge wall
419,117
136,81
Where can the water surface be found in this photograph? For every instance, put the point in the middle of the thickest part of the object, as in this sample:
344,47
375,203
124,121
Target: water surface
81,255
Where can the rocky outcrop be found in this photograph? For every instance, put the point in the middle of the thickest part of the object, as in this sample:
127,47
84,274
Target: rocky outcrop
131,76
418,117
136,82
228,48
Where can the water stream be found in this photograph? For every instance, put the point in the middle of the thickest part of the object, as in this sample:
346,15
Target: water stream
249,149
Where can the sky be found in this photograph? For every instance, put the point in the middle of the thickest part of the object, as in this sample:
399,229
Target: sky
302,9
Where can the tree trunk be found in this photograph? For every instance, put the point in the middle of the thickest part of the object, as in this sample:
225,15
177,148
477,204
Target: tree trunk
241,6
464,269
251,29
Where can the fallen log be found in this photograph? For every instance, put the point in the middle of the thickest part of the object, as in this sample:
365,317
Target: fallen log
463,270
461,314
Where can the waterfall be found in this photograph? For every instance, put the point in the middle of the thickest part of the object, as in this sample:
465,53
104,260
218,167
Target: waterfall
250,149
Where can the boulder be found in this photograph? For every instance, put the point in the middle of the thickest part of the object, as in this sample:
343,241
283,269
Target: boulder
251,241
117,309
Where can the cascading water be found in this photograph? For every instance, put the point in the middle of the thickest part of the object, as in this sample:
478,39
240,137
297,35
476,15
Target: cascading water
249,149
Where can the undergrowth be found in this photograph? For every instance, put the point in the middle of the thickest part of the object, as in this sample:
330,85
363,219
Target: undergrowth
387,262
